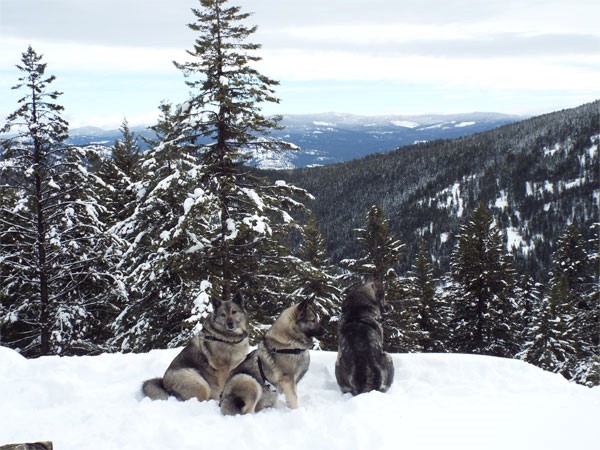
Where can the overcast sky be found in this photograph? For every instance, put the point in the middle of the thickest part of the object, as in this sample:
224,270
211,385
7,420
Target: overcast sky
113,58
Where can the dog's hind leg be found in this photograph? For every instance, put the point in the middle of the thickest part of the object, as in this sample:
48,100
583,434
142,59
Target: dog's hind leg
187,384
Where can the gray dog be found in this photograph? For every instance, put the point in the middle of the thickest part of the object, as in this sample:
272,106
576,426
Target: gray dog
202,367
361,364
277,365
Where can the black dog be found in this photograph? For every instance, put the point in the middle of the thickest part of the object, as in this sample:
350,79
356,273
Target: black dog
361,364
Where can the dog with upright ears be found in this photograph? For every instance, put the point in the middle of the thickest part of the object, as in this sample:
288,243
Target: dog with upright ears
361,364
202,367
276,366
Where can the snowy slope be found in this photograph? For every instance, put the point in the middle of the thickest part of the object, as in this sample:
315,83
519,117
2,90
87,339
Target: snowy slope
436,402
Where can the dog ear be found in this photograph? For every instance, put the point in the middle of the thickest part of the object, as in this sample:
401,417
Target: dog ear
303,306
216,302
238,299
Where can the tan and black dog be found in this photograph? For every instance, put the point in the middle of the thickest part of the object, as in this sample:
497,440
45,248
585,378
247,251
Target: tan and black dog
202,367
276,366
361,364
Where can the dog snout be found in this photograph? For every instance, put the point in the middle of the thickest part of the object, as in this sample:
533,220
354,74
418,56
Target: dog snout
318,330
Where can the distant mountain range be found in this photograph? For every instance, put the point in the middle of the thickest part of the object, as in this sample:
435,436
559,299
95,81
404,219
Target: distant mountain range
536,176
332,138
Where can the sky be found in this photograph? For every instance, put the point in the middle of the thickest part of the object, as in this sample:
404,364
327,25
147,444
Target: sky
113,58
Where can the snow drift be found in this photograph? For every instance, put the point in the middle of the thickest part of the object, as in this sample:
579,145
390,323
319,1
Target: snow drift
436,402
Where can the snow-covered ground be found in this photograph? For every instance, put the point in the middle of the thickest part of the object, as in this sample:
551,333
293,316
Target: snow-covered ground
439,402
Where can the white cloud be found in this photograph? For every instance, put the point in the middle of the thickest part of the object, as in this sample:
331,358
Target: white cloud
116,55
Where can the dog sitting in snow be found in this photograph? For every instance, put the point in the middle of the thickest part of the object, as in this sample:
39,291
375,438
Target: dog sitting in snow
361,364
277,365
202,367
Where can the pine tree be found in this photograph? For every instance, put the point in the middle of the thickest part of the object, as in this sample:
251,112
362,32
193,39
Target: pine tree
528,294
165,262
119,174
433,314
58,286
126,152
380,255
380,251
588,369
571,289
224,117
316,278
545,345
484,319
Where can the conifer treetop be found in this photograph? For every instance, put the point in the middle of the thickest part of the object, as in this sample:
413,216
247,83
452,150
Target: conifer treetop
227,92
38,116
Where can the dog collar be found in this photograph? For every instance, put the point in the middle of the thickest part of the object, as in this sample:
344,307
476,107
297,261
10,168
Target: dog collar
216,339
283,351
288,351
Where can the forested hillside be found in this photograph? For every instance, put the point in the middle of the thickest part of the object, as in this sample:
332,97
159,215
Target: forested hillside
536,176
124,250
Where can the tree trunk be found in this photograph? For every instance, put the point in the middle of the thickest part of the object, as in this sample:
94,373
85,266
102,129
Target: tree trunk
41,258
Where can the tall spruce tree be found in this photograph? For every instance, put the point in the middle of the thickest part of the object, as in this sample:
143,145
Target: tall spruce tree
380,255
58,286
571,294
119,173
224,116
205,225
164,261
380,251
588,367
545,345
433,314
315,277
484,306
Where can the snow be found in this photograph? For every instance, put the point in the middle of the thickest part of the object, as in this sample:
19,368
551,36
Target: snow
405,123
232,228
451,198
514,240
52,184
502,200
258,224
252,195
443,402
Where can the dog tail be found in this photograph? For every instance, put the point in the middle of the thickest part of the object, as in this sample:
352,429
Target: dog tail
240,396
154,389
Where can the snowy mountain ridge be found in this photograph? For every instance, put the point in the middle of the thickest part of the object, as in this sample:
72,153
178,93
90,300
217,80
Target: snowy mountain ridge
329,138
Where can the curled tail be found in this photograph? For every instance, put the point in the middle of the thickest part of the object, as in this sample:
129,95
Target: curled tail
240,396
154,389
233,405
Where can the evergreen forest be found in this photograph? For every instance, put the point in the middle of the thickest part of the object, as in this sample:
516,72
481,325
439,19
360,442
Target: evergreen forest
486,244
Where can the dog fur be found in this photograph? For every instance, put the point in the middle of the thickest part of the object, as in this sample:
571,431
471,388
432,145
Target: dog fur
202,367
276,366
361,364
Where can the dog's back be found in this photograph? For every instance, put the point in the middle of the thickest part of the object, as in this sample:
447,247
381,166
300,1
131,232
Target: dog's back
361,364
